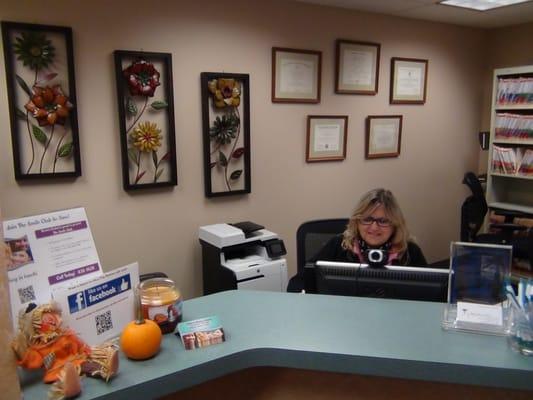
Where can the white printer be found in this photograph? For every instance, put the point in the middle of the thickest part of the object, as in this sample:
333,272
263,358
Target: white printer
243,255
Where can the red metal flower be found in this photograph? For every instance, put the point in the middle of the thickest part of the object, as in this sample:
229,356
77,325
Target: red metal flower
49,105
142,78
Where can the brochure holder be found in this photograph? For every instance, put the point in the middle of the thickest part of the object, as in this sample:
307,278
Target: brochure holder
476,297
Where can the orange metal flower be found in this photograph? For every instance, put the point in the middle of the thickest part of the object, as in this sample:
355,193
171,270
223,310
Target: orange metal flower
48,105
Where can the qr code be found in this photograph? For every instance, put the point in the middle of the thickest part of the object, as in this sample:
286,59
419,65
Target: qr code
104,322
26,294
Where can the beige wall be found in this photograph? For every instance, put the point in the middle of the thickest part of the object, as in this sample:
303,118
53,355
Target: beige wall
509,47
159,228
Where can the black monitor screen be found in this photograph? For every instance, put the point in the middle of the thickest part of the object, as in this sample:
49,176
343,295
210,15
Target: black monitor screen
407,283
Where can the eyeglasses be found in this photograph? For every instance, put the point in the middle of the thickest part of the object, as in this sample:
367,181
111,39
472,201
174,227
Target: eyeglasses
382,222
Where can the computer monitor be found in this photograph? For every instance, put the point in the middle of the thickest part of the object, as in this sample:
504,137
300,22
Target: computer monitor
394,282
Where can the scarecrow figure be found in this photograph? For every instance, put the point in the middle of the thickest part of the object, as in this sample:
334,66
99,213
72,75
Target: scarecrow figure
42,341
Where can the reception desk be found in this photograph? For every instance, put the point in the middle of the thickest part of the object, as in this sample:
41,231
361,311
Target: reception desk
368,337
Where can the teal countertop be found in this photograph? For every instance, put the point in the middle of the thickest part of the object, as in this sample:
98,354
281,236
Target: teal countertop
379,337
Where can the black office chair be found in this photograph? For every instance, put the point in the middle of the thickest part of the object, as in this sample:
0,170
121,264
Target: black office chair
474,208
473,212
310,238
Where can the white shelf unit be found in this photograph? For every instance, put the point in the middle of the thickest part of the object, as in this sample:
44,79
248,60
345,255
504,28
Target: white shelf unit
509,191
522,142
511,107
512,176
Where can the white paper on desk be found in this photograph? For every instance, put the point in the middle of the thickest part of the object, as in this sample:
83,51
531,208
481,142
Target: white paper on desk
48,252
479,313
99,309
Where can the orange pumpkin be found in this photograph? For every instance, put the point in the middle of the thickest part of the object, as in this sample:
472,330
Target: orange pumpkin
141,339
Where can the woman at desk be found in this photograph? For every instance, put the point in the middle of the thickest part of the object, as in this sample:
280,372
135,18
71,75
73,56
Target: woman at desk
376,223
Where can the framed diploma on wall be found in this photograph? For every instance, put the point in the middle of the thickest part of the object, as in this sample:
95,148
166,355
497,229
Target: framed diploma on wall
383,136
408,80
296,75
357,67
326,137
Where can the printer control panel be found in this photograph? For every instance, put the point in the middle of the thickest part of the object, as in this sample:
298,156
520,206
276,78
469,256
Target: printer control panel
275,248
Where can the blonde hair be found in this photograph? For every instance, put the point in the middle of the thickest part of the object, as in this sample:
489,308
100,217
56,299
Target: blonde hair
368,203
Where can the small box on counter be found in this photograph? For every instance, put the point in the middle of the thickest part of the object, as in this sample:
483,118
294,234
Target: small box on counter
201,332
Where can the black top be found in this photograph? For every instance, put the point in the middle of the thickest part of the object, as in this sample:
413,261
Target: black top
333,251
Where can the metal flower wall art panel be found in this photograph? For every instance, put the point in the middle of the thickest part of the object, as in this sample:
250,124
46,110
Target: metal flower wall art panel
226,135
146,112
42,100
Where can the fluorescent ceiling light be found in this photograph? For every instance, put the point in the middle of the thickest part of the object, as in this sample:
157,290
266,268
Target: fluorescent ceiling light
481,5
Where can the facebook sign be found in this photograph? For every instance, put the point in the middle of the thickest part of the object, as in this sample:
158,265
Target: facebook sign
94,295
76,302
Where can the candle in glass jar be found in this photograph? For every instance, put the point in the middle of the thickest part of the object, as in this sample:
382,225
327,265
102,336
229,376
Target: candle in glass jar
161,302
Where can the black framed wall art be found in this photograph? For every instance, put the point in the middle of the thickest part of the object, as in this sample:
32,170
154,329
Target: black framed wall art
146,117
41,93
226,133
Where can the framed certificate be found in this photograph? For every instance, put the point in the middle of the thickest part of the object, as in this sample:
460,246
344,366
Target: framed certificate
326,137
408,81
357,67
296,75
383,136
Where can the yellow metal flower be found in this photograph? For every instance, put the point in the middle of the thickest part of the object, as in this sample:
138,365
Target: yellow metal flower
226,92
146,136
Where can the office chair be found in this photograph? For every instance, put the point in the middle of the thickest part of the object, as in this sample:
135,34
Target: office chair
310,238
474,208
473,212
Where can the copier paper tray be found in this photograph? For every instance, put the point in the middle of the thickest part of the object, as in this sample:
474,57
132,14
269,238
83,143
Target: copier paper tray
247,227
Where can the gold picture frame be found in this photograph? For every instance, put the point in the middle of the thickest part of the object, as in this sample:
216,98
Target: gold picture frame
383,136
408,80
326,137
296,75
357,67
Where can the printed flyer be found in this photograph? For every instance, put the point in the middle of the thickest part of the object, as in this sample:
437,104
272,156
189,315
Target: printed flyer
48,252
99,309
201,332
